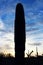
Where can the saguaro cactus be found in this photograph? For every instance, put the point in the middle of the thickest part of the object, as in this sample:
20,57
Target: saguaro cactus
19,31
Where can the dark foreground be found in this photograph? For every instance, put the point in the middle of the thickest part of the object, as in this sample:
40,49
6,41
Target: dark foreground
28,61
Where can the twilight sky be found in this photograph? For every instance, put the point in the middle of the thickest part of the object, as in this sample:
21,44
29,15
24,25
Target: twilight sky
34,25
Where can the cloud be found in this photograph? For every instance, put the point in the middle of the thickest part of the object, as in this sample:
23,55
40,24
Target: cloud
5,29
34,14
28,24
8,18
34,39
35,25
32,29
2,25
35,44
8,47
0,48
7,43
7,3
7,38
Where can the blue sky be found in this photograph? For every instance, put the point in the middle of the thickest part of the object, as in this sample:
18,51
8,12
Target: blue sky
34,24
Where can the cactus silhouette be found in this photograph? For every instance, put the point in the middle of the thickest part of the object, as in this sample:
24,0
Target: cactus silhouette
19,32
29,54
36,52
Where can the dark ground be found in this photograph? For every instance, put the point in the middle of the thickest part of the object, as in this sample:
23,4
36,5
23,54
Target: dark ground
28,61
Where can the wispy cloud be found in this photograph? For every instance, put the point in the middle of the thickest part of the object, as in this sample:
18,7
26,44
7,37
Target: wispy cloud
35,44
7,43
32,29
8,47
2,25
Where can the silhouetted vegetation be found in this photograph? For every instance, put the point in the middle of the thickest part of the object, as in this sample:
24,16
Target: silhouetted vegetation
2,55
9,59
5,55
